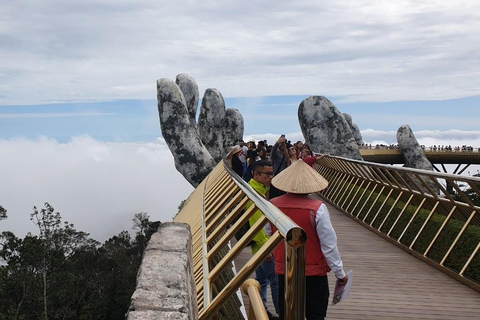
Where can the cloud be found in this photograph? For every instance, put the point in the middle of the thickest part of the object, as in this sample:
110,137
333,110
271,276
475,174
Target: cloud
367,50
98,186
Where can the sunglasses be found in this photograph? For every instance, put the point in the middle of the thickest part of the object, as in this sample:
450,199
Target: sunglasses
269,174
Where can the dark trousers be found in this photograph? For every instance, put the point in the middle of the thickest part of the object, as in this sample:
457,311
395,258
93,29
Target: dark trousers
317,294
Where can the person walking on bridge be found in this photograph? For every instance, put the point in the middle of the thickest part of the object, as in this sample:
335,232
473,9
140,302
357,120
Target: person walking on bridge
322,254
262,172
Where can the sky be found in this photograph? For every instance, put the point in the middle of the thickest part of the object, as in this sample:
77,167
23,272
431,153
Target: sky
79,124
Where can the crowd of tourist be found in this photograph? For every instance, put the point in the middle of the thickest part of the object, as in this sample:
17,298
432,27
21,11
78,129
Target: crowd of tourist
434,148
281,154
283,173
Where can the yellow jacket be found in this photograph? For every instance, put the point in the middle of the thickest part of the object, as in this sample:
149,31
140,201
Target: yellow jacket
261,237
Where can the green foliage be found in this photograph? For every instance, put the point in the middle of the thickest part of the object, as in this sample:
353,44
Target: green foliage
61,273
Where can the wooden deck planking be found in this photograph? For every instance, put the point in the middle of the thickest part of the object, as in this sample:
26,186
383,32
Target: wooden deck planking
390,283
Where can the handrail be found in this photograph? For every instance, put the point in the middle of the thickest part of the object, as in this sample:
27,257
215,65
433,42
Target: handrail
215,213
426,213
256,310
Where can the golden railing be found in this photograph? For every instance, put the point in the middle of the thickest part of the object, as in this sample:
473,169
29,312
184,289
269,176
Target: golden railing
434,216
215,212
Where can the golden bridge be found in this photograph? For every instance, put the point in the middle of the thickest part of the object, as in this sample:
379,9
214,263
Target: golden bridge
463,159
412,238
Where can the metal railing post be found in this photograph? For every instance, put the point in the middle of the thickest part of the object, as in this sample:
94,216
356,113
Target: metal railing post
295,290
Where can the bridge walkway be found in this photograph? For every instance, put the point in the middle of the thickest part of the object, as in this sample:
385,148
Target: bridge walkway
388,282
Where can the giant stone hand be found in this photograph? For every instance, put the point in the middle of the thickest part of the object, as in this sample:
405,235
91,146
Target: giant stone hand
196,148
325,128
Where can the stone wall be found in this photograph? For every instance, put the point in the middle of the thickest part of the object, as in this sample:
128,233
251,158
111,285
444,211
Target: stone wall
165,281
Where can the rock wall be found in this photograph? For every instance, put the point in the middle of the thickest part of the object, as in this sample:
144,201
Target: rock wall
165,282
325,128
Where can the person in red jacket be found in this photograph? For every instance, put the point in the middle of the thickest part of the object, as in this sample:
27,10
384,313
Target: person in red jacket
322,254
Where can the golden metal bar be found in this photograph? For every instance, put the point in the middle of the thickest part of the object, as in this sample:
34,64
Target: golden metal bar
469,259
358,201
381,207
368,198
417,187
425,184
365,172
390,211
405,183
256,311
377,176
383,172
440,230
295,287
234,199
411,219
352,187
241,276
462,194
424,224
340,187
401,214
392,178
347,186
227,222
458,237
337,186
444,191
212,212
213,188
235,251
373,203
231,232
355,195
353,169
206,286
331,189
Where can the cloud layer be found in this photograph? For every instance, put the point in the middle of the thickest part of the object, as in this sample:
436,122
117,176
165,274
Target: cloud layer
99,186
95,185
56,50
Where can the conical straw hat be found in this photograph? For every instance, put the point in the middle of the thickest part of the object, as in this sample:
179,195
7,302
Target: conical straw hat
299,178
233,151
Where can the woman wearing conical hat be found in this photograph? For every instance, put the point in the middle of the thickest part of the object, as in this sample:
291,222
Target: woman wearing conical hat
322,255
234,157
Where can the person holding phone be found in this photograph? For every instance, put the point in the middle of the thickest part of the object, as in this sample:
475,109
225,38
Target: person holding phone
279,157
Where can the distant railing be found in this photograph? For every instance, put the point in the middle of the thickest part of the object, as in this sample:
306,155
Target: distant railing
215,212
434,216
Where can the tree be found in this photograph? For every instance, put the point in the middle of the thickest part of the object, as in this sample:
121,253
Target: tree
58,244
20,283
145,228
61,273
3,213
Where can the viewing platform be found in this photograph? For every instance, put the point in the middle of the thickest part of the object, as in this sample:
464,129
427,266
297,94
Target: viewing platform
395,156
